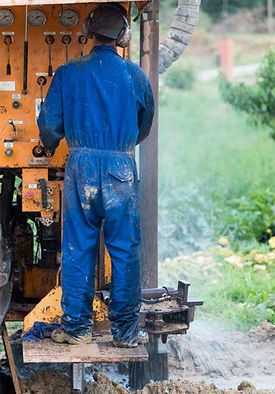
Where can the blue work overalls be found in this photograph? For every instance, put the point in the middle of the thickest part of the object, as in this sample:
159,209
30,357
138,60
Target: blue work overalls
103,105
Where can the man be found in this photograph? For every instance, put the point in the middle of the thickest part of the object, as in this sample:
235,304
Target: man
103,106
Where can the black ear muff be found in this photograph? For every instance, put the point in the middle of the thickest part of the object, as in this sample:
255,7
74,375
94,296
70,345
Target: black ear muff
87,26
124,36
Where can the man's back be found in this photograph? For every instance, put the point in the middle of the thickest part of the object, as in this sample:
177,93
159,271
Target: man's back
103,98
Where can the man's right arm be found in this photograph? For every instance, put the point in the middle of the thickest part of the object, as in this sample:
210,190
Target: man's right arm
146,112
50,120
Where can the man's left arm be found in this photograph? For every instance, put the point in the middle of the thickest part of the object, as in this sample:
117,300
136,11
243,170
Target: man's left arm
146,112
50,120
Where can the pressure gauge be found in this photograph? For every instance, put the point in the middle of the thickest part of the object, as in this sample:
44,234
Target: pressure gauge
37,18
6,17
69,18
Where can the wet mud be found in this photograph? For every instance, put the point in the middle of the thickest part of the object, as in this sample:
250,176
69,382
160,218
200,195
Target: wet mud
224,357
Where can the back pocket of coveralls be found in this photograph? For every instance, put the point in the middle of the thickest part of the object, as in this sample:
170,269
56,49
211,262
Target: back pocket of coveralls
122,182
122,174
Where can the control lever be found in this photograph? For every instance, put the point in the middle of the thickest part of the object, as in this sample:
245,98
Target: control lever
66,40
13,125
82,41
41,82
43,186
49,41
8,42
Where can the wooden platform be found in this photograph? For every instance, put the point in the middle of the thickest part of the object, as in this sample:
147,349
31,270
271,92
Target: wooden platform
100,351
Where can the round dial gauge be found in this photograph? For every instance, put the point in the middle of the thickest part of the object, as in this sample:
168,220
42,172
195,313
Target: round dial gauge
69,18
6,17
37,18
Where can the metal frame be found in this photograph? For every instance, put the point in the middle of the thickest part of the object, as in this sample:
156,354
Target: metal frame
149,61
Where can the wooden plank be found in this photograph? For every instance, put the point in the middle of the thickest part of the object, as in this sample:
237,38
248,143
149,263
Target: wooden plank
100,351
43,2
10,358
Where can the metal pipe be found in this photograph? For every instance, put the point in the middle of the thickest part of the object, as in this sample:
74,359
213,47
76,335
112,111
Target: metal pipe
149,61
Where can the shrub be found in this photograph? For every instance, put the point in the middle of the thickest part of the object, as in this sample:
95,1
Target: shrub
248,218
257,101
180,77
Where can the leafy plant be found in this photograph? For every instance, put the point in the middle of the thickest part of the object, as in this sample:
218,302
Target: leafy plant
180,77
257,101
247,218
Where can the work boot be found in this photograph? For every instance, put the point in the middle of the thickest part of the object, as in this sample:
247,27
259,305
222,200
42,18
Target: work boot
60,336
141,340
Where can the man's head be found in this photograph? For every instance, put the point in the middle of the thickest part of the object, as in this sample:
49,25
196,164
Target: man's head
109,25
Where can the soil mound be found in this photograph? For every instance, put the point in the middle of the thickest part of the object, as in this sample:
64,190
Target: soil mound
55,383
102,385
47,382
265,332
185,387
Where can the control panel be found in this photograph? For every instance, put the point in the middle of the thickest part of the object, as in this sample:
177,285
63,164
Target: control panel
34,41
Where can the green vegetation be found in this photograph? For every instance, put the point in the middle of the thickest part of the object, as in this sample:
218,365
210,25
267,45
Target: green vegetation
216,178
250,217
237,297
257,101
209,156
180,77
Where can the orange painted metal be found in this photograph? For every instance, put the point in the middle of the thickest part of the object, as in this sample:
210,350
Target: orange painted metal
32,193
36,282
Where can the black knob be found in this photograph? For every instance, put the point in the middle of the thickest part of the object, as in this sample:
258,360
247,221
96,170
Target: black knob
38,151
16,104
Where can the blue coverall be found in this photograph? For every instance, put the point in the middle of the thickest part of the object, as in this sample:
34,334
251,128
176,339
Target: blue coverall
103,106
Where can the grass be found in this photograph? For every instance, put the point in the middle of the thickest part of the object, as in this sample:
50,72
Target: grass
210,154
237,298
243,298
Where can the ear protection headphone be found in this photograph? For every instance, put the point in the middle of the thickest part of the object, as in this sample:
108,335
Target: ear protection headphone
124,36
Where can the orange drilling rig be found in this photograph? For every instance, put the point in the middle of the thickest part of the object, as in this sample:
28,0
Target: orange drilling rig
36,36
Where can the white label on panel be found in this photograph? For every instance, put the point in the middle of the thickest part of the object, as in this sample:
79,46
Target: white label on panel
8,33
7,86
8,145
18,122
32,186
41,74
16,96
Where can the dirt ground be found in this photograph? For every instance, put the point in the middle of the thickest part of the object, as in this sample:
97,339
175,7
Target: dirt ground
225,358
211,358
52,383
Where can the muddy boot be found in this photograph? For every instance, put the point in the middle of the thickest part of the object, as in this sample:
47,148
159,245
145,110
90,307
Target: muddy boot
60,336
141,340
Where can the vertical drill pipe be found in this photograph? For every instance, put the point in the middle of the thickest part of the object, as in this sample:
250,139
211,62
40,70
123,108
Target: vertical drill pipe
149,61
26,55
